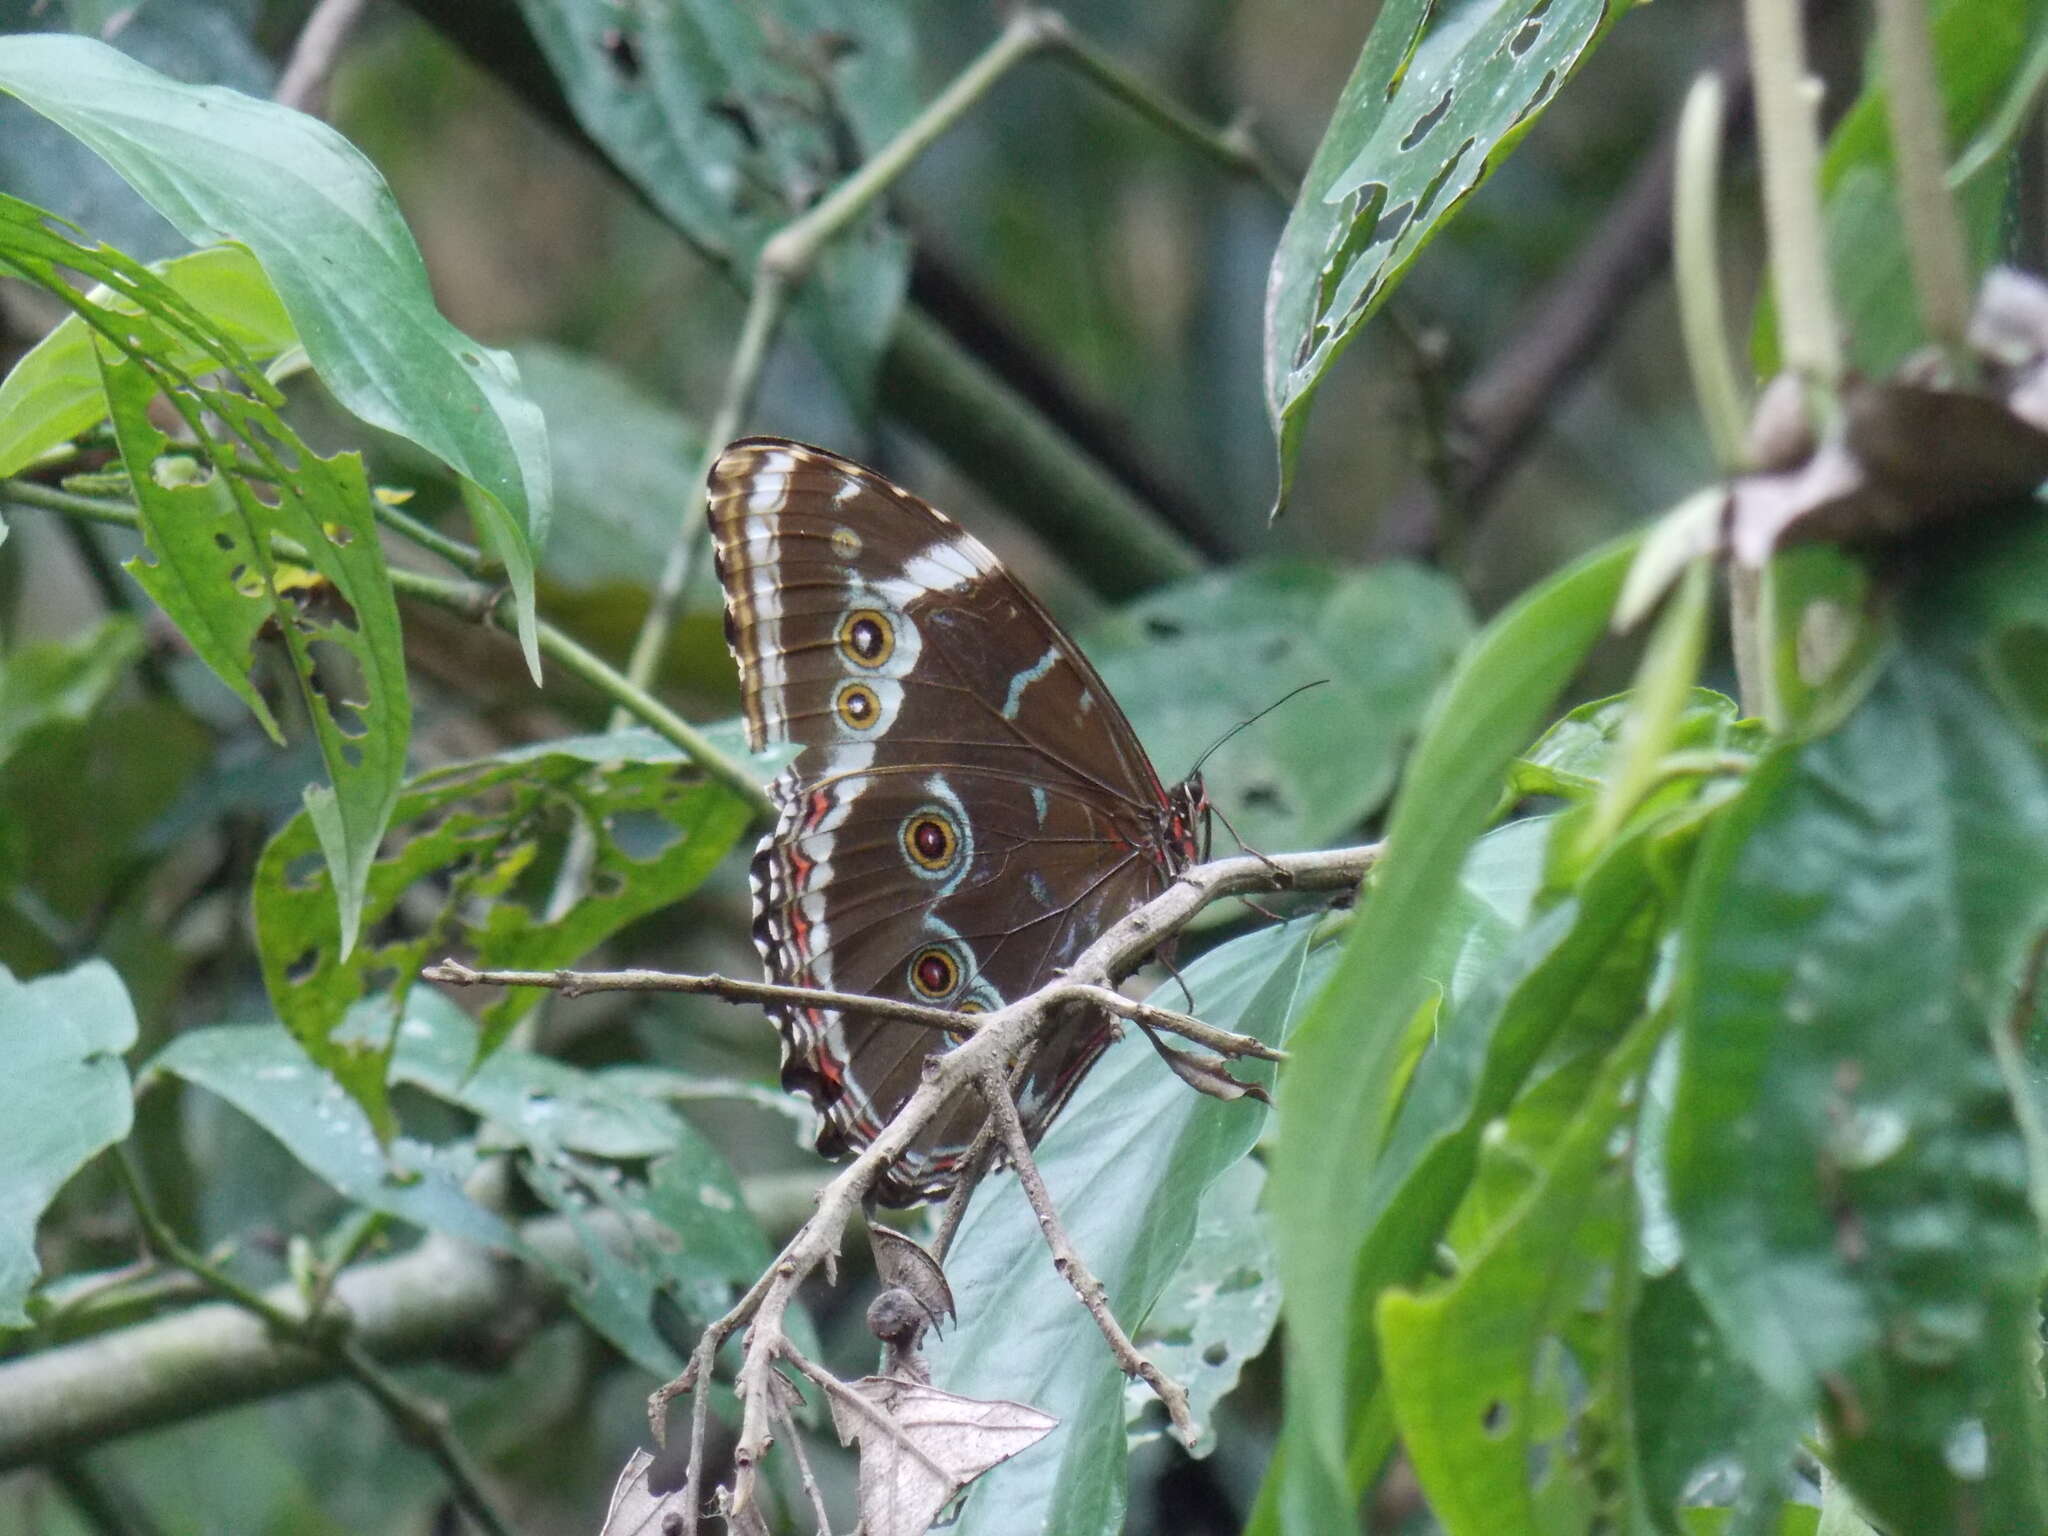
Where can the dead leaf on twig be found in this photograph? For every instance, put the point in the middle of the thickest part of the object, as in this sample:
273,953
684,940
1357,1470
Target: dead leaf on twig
637,1510
901,1261
1204,1074
920,1447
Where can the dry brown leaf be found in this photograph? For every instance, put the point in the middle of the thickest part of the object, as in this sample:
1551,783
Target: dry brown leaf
900,1261
919,1447
636,1510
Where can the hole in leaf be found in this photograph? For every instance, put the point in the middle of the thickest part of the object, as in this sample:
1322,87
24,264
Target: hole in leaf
308,872
607,883
245,581
1535,103
1495,1420
1242,1278
1216,1354
622,52
642,835
224,540
340,535
301,970
1436,182
390,929
1525,37
1427,121
1393,222
1160,627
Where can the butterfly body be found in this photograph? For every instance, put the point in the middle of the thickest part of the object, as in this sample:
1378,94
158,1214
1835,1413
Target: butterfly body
968,807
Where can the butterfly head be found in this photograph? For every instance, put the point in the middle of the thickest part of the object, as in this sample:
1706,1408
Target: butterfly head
1184,823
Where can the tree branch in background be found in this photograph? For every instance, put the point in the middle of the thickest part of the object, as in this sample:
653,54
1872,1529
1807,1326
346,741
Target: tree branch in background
310,69
1501,412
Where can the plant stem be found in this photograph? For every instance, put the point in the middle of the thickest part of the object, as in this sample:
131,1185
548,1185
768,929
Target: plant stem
1231,147
421,1420
1927,211
1695,256
1786,98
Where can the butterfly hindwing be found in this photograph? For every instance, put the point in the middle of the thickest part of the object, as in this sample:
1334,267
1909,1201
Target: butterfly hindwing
968,806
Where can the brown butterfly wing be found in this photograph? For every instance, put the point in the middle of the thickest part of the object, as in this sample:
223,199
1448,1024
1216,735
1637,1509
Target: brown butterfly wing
969,807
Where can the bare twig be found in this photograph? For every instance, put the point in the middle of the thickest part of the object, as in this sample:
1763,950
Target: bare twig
1067,1260
306,76
1000,1037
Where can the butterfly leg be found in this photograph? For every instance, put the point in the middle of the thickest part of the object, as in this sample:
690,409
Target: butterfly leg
1002,1109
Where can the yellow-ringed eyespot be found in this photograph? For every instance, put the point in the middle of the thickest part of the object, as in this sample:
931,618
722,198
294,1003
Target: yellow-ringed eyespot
929,839
858,706
934,972
867,637
970,1005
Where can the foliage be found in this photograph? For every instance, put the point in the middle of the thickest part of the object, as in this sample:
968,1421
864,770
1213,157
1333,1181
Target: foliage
1660,1144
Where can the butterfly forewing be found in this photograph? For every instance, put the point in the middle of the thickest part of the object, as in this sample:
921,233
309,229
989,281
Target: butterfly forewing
968,807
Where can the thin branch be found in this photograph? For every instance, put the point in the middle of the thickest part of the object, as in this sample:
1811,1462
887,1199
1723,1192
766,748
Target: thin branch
570,983
1927,209
420,1419
1696,267
311,68
1002,1108
1001,1036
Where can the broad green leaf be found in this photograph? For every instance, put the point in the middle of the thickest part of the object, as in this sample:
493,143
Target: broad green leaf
490,834
685,1233
1347,1048
224,166
1983,50
1191,662
1216,1313
1573,758
1484,1370
1128,1162
63,1097
262,1071
1428,113
211,563
1704,1423
734,119
53,393
1844,1159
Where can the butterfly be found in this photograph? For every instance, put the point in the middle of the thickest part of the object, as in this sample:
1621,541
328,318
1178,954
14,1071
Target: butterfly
967,809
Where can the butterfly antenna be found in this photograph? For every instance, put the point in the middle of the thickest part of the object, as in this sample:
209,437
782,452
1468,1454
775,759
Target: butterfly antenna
1253,720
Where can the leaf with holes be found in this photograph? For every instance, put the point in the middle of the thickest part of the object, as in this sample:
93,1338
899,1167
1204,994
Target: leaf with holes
63,1097
224,166
1129,1162
1487,1373
210,520
1426,115
1193,661
590,1142
469,864
734,119
1846,1160
54,393
1217,1311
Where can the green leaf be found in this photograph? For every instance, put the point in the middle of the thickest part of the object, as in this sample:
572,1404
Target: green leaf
224,166
491,832
211,562
1844,1158
53,393
63,1097
1428,113
1702,1418
734,119
261,1070
1484,1370
1216,1313
1192,661
1128,1162
1983,52
685,1235
1345,1054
